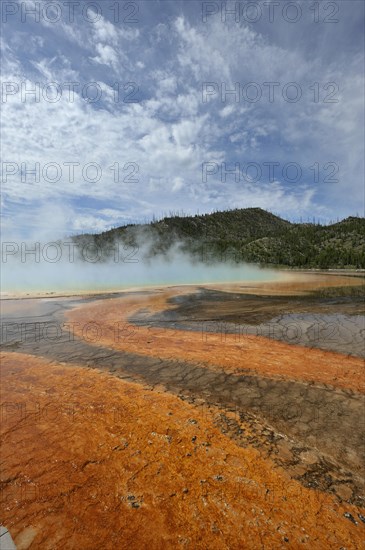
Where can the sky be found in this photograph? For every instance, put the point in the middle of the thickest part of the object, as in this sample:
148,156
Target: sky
115,112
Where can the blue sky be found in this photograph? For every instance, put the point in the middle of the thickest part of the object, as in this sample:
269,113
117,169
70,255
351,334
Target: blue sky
172,142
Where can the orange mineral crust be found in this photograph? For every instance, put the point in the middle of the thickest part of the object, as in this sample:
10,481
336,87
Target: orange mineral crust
91,461
107,321
291,284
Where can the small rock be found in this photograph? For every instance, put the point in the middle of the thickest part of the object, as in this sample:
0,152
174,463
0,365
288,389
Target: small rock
361,517
193,438
309,457
343,491
185,490
350,517
135,505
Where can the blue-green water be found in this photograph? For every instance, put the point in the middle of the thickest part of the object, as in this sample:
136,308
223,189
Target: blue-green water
66,277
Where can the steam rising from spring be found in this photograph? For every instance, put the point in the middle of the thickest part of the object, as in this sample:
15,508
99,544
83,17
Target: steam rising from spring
69,266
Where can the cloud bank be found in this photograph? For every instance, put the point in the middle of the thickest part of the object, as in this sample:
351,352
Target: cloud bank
130,137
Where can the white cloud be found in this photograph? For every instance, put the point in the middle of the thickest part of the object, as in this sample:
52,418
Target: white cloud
105,31
227,111
172,132
178,184
106,55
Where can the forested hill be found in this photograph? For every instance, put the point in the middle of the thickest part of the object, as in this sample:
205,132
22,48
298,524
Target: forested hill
251,235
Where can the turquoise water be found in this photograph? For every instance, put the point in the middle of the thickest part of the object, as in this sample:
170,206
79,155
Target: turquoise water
61,276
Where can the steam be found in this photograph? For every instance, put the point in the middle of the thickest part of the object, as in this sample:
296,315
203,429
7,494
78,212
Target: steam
83,265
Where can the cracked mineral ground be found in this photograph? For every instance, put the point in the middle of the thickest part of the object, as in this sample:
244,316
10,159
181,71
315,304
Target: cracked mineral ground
215,416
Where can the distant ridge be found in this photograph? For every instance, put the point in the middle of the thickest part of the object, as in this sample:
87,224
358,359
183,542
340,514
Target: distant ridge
245,235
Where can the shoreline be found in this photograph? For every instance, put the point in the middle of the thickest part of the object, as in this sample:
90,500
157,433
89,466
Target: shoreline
288,275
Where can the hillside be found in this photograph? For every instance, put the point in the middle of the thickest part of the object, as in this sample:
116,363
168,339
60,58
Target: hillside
251,235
